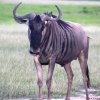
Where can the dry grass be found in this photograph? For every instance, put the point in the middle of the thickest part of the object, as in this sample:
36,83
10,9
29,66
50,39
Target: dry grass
17,72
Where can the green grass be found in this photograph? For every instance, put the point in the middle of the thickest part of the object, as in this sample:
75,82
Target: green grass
82,14
18,76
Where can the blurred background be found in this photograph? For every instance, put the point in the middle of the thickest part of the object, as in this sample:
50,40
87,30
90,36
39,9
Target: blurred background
18,78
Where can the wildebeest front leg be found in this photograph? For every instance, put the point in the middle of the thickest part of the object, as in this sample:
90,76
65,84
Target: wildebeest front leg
49,77
69,72
39,74
83,65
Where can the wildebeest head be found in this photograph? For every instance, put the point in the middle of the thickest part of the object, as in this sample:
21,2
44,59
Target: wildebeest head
36,24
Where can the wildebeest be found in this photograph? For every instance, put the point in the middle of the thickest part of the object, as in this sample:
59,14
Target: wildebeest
53,40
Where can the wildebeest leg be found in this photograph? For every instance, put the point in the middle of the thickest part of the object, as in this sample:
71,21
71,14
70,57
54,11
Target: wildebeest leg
69,72
83,65
39,74
49,77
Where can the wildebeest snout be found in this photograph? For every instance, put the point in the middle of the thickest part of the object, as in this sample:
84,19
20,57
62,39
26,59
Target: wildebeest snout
32,51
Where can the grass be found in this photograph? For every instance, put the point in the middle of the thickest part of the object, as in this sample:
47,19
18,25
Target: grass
18,76
81,14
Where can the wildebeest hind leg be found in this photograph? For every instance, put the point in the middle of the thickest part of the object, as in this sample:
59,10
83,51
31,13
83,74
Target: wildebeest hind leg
69,72
83,65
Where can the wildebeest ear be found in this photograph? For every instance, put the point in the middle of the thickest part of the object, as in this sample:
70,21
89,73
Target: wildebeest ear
27,22
50,14
22,21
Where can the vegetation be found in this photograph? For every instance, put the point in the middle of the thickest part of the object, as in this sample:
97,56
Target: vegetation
18,76
76,13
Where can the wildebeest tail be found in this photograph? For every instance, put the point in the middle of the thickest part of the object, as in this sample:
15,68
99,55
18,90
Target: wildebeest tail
87,74
87,69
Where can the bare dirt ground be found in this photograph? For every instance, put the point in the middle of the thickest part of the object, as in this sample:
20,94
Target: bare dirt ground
53,2
81,96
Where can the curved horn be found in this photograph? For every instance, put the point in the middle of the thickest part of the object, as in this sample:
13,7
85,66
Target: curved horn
59,13
18,18
47,17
